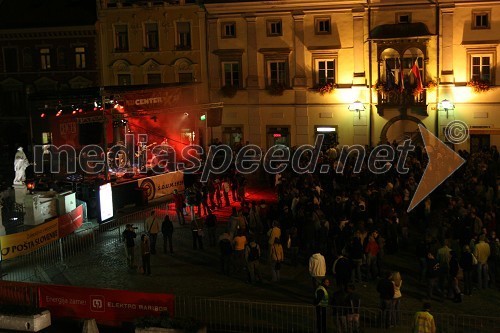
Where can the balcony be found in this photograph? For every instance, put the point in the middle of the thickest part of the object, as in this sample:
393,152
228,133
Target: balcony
402,100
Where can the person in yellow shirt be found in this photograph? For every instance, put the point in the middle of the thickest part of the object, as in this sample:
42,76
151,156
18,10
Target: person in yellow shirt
482,253
424,321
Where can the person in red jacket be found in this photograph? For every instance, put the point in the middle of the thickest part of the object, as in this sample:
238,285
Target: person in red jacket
179,206
372,249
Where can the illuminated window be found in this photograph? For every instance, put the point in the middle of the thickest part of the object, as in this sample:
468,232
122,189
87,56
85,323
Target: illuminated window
325,71
121,38
80,57
276,72
183,36
45,58
481,20
274,28
228,30
322,25
151,36
231,75
481,67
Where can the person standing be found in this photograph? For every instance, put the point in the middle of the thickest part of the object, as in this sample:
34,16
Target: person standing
211,224
397,281
197,233
129,235
385,289
226,251
225,190
252,256
321,301
277,258
145,252
167,230
482,253
152,227
432,274
353,304
467,264
180,204
272,234
424,321
317,269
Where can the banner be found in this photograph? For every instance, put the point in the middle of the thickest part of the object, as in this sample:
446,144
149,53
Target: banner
154,99
22,243
164,184
68,223
107,306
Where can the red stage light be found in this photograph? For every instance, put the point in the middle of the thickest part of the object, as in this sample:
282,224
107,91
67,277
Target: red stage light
42,115
74,111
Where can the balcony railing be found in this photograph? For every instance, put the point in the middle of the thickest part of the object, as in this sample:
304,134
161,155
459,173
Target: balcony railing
402,99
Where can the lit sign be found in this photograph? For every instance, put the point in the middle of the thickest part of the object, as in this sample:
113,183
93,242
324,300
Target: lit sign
106,201
325,129
277,135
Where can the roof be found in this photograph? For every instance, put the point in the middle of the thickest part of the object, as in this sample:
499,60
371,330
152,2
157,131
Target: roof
16,14
401,30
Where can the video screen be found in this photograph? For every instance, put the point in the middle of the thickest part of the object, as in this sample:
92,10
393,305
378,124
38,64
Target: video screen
106,201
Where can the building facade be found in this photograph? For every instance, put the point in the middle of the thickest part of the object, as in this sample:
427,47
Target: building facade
288,70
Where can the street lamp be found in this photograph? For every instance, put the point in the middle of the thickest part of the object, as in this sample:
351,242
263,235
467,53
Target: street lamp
446,105
357,106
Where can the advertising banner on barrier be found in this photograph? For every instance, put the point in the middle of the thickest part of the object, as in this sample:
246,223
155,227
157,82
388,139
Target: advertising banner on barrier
107,306
164,184
68,223
22,243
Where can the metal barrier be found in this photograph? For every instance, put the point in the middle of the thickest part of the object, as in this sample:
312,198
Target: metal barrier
51,259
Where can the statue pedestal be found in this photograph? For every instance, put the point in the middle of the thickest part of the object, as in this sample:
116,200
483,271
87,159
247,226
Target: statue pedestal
20,191
2,228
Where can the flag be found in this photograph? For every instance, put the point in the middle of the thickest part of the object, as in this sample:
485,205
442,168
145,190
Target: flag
416,72
401,76
389,76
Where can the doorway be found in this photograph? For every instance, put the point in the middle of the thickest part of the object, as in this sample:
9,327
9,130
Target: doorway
232,136
278,135
479,142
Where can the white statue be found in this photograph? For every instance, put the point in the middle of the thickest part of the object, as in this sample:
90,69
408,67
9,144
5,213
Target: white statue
20,164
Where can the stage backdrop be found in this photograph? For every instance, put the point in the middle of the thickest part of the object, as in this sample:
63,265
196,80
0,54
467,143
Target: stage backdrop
107,306
164,184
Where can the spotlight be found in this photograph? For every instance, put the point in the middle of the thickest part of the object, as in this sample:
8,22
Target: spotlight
186,114
42,115
74,111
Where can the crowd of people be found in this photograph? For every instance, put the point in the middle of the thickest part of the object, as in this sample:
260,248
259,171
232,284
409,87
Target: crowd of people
342,225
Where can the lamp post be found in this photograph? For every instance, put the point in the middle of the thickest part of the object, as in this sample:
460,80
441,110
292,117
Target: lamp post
357,106
446,105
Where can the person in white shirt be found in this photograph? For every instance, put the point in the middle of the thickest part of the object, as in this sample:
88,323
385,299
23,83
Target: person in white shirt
317,268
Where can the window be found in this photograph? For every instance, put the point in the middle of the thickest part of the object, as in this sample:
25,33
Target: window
322,25
151,36
481,67
80,57
61,56
10,59
186,77
325,71
45,58
480,20
403,18
274,28
231,75
46,137
154,78
121,37
27,58
183,36
228,30
276,72
124,79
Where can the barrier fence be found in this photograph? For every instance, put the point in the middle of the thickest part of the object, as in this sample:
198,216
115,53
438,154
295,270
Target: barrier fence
51,259
224,315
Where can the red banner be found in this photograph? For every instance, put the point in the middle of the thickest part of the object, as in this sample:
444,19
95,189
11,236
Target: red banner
107,306
70,222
